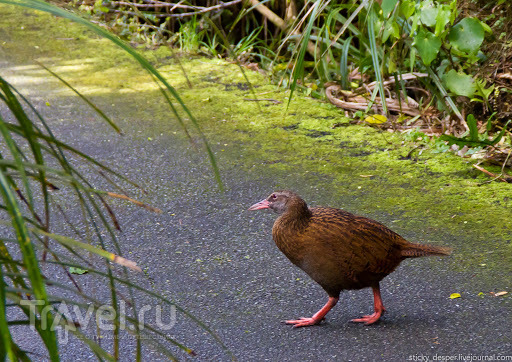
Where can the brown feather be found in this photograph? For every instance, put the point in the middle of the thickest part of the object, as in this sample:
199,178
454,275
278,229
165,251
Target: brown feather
417,250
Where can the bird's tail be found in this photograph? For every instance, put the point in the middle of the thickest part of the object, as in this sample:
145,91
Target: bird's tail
417,250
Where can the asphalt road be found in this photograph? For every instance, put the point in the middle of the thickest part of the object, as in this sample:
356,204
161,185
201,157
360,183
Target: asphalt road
218,260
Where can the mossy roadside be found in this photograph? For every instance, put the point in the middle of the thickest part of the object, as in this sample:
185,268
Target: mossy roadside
373,172
379,174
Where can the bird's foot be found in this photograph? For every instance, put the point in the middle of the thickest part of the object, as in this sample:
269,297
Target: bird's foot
368,319
317,317
304,322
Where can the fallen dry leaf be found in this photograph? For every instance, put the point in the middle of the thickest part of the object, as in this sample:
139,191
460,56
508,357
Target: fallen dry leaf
499,294
376,119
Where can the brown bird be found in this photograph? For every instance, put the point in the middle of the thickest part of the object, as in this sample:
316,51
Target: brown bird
338,250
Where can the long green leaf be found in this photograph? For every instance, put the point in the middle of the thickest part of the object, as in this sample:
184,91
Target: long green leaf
30,262
298,66
344,63
9,96
6,345
27,127
47,143
375,57
100,352
347,24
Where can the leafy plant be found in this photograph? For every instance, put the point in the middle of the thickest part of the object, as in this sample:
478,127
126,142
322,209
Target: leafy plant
352,43
440,145
394,38
413,134
472,137
36,167
210,45
427,51
246,44
189,38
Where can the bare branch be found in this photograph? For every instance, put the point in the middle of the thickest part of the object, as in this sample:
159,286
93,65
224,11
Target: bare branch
152,4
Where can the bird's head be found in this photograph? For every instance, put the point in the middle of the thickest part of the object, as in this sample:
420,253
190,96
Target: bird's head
279,202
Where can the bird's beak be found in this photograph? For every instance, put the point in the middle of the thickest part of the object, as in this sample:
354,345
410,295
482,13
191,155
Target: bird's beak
263,204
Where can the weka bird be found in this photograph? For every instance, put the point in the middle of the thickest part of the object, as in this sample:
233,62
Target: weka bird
338,250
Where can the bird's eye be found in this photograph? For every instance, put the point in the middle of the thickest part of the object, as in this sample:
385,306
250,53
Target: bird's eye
273,196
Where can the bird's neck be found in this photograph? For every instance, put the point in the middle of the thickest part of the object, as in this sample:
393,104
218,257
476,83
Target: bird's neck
296,217
287,230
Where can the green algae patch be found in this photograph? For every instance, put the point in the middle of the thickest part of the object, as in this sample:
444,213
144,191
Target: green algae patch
309,146
95,65
376,173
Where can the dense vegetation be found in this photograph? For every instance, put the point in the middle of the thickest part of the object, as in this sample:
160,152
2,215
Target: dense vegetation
414,63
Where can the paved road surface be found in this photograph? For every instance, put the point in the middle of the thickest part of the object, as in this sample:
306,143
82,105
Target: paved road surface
218,261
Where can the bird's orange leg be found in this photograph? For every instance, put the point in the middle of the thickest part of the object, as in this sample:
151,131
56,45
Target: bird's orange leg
317,317
378,306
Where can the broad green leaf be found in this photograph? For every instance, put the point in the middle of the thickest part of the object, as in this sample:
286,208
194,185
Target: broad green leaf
428,45
390,28
407,8
461,84
443,18
446,97
428,15
388,6
467,35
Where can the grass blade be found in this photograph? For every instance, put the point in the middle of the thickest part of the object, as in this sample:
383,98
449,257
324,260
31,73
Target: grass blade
298,66
375,57
344,63
6,349
30,262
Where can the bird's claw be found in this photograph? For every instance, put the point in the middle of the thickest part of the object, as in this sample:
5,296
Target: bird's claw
303,322
368,319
